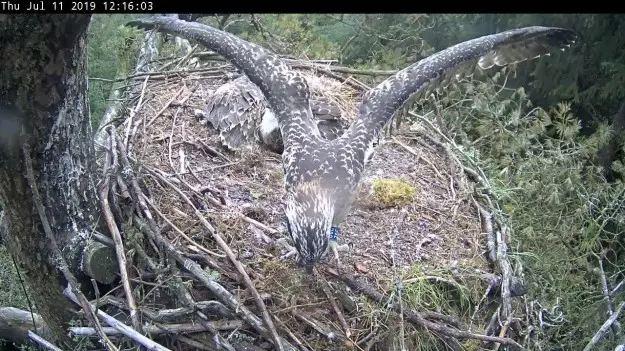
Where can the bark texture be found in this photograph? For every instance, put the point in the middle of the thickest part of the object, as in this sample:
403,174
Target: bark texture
43,88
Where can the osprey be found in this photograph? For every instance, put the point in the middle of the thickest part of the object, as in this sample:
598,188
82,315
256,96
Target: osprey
321,176
240,112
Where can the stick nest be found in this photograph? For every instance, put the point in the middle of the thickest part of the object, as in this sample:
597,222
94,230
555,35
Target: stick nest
424,255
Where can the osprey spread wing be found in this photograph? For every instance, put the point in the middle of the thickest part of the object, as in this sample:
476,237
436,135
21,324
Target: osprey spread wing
241,114
321,176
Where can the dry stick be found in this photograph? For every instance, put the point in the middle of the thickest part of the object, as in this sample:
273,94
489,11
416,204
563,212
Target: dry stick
501,247
117,238
215,202
419,158
487,227
186,56
321,328
121,327
193,343
347,81
606,293
171,137
214,151
209,55
43,342
173,226
217,69
134,111
164,107
195,268
217,337
604,328
506,270
289,332
503,331
217,289
197,345
224,246
184,99
326,290
62,264
419,318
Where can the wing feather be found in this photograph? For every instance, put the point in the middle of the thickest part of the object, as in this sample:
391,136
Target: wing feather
381,103
329,119
235,109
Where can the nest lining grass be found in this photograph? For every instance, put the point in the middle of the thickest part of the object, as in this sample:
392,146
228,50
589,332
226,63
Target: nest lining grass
432,241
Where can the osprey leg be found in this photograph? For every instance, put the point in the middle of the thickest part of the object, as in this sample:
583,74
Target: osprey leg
335,247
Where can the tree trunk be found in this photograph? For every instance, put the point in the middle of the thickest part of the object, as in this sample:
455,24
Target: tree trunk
43,93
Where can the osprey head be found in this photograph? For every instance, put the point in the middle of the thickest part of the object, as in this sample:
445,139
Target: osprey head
308,210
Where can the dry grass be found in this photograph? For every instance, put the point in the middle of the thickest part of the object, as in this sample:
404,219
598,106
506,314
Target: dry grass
339,94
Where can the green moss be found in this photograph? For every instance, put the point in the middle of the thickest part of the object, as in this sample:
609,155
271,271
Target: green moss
392,192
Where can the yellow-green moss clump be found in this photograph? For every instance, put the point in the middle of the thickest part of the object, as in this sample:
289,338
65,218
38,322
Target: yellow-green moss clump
392,192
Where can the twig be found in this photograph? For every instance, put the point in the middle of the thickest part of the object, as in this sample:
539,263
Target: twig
213,151
43,342
326,289
186,57
164,107
214,201
224,246
321,328
194,268
219,340
121,327
502,333
171,138
487,227
506,271
617,288
117,238
164,328
604,328
418,318
217,289
218,69
134,111
209,55
606,293
175,228
419,158
282,326
500,254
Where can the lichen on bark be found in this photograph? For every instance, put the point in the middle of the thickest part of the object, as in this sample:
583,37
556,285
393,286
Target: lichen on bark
44,82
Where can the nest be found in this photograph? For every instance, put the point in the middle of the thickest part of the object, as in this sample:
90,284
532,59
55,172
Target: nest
417,266
335,92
